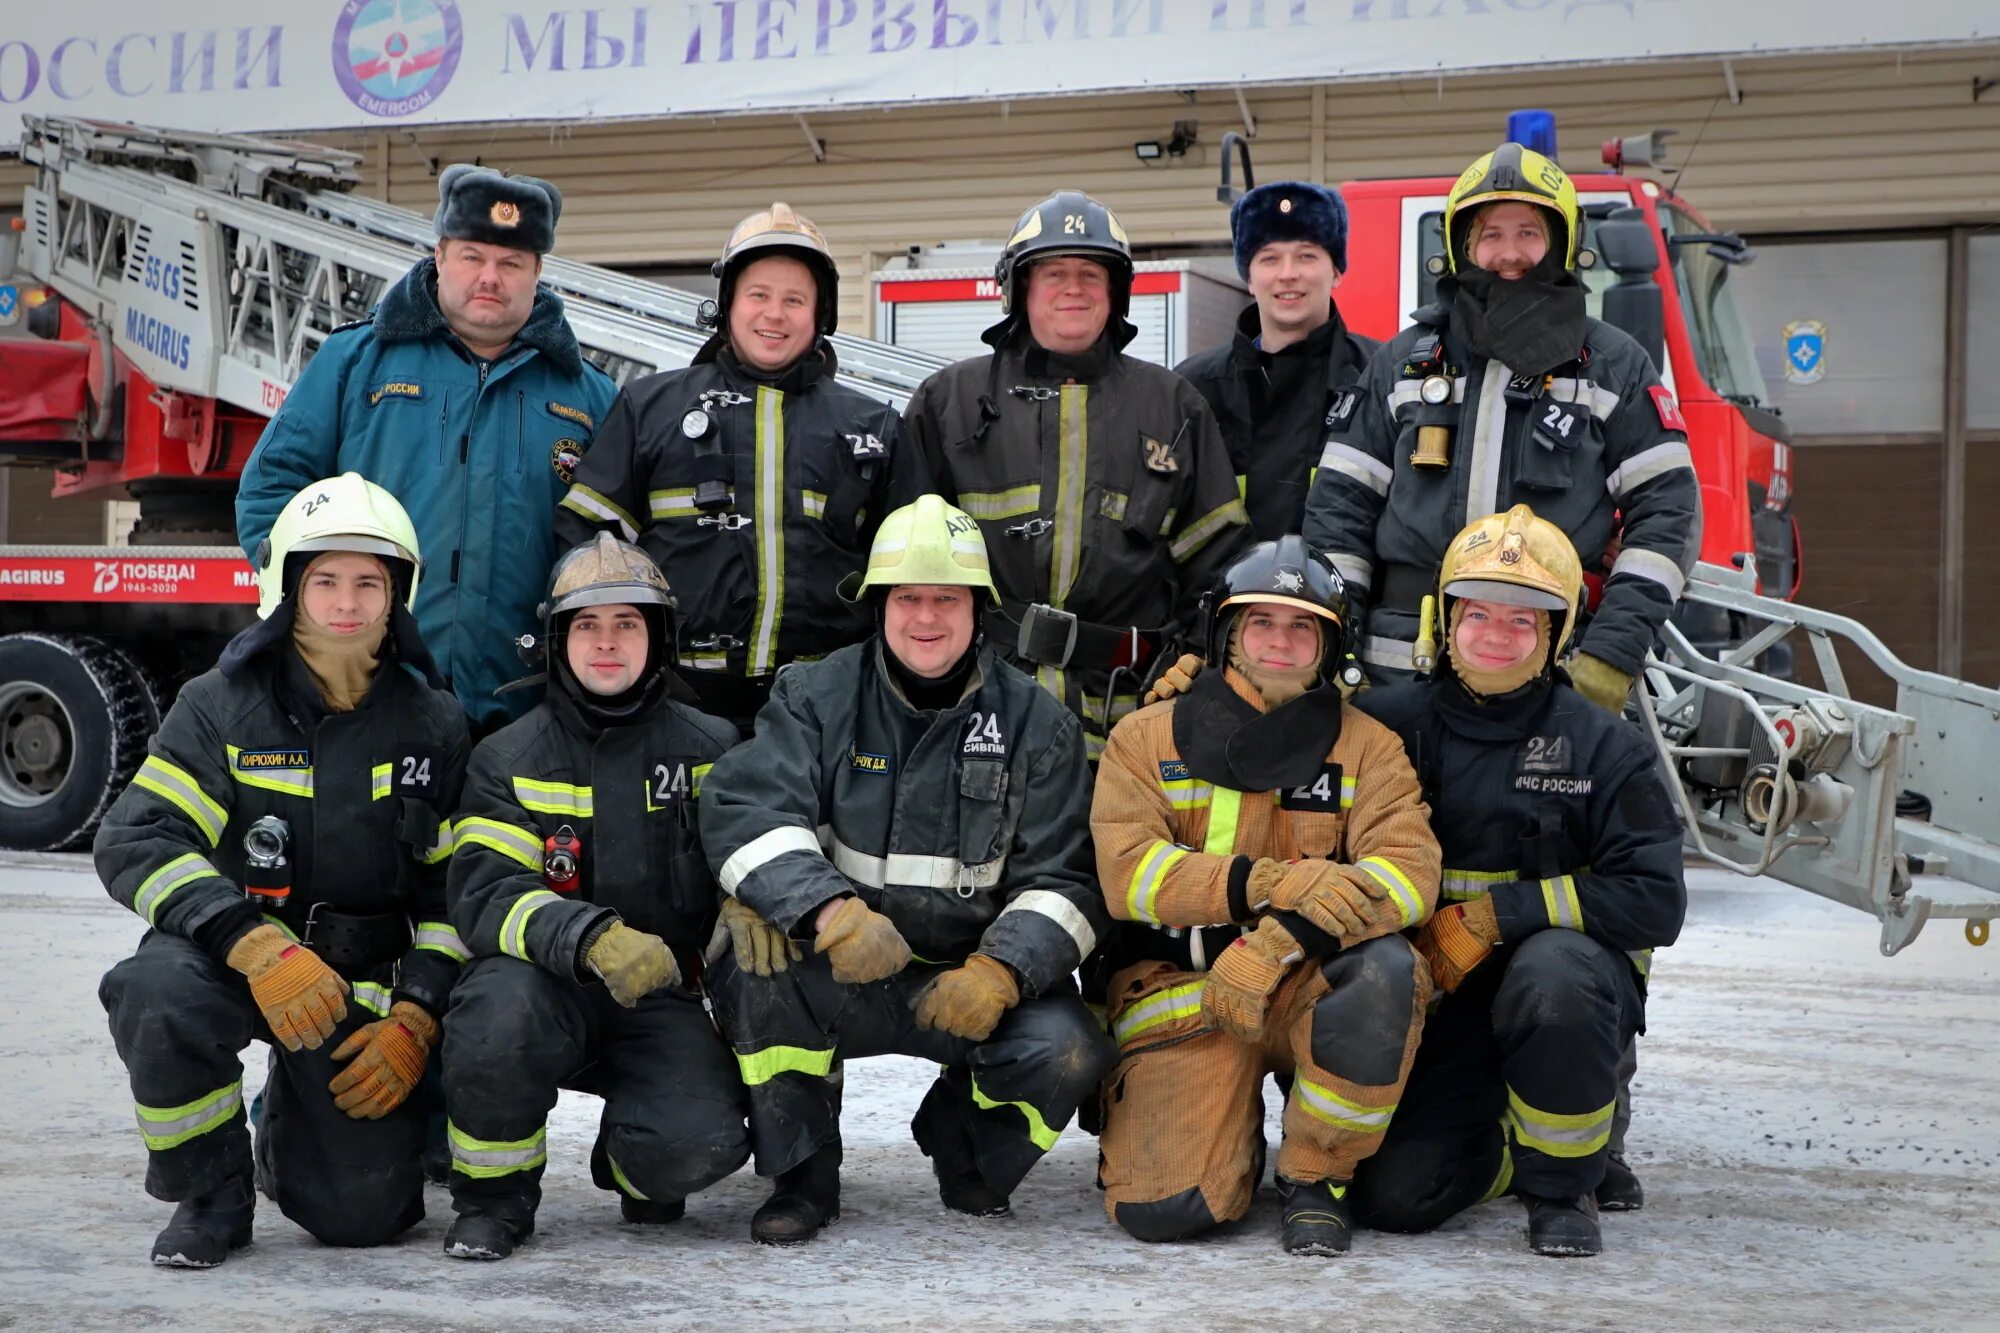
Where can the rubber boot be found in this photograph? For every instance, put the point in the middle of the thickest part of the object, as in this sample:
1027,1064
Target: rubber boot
204,1230
651,1212
481,1236
1318,1218
944,1139
1563,1228
1619,1191
806,1201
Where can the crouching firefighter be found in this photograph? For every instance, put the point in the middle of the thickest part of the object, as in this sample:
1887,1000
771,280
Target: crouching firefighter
285,841
1266,843
578,882
1562,867
914,808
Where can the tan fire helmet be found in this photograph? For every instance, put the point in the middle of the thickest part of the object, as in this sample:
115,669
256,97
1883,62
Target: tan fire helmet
1516,559
780,229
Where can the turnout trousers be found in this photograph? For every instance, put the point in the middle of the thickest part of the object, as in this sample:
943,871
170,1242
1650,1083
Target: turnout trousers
1183,1140
673,1109
1515,1087
179,1020
1009,1096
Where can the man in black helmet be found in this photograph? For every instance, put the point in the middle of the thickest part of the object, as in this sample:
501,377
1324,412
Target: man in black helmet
1099,480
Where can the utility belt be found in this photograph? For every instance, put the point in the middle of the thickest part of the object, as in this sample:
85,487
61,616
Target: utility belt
347,941
1050,637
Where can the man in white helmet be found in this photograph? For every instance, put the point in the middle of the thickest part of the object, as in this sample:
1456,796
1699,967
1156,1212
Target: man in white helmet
915,810
285,841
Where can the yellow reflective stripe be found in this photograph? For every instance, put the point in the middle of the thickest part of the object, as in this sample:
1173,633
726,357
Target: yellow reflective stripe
439,937
290,781
619,1177
768,530
1223,812
286,930
514,929
487,1159
439,850
174,784
553,798
1147,876
1558,1135
695,775
1559,898
1187,793
372,997
765,1065
1642,959
600,508
1505,1178
1323,1103
1461,886
165,1127
996,505
812,503
157,887
1203,529
1347,785
1038,1128
1183,1001
1072,456
1409,903
379,783
677,502
510,840
1242,486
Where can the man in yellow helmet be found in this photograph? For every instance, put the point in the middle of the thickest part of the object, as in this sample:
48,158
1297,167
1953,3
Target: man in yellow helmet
915,810
1562,872
1506,392
285,842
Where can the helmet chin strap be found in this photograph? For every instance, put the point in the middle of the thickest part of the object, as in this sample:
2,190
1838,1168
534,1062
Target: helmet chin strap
1505,680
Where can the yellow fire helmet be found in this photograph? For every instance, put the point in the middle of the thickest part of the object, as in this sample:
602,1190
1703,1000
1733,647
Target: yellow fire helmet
1520,174
343,513
780,229
1516,559
928,541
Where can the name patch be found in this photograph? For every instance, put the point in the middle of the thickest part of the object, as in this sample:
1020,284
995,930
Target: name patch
252,761
1173,770
863,762
576,414
395,389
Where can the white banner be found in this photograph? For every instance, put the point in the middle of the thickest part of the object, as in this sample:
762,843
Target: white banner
226,65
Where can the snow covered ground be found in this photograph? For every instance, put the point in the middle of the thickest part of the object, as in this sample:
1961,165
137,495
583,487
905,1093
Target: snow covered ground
1818,1132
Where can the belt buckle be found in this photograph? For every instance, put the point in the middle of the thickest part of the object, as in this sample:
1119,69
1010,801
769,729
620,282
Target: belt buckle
727,522
1031,527
1033,620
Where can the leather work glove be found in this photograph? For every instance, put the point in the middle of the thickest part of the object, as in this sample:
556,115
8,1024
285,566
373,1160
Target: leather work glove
1317,892
300,997
968,1000
1600,682
391,1054
1241,981
1176,679
632,963
1457,940
861,943
760,947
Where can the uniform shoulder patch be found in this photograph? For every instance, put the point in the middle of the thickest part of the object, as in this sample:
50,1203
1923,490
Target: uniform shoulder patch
1669,410
1340,412
1173,770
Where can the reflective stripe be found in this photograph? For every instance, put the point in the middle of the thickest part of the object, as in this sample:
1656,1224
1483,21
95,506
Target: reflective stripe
1650,565
514,929
1569,389
1181,1001
553,798
1409,903
1505,1178
165,1127
291,781
1489,444
1399,654
1352,463
812,503
372,997
762,850
156,887
283,929
696,774
1348,786
1187,793
1647,464
488,1159
1411,391
765,1065
1147,876
768,530
1560,1135
1203,529
1223,811
1328,1105
1462,886
996,505
582,500
439,937
1038,1129
1045,902
1642,959
1072,455
619,1177
1353,570
510,840
1559,898
906,870
677,502
706,661
379,781
174,784
440,848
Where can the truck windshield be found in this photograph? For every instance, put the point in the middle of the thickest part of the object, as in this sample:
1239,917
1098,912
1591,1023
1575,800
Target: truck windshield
1721,337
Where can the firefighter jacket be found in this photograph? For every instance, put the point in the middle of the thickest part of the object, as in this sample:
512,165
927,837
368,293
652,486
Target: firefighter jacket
477,451
1547,804
1272,407
1175,842
1597,447
1103,491
966,825
626,794
363,796
754,497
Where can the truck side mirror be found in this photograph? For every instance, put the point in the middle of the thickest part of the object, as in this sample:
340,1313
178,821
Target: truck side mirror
1633,303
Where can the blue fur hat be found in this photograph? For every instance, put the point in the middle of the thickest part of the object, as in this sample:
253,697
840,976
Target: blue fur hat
480,204
1289,211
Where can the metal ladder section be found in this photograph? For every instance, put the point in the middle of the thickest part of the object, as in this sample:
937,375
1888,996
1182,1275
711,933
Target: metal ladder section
1800,784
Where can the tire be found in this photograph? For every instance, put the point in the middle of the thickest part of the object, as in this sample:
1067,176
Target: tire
74,721
157,692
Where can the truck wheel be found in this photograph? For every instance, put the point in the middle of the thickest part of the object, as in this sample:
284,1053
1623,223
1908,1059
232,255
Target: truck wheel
74,721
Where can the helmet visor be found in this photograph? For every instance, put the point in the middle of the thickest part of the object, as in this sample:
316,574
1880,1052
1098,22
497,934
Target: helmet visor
1507,594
